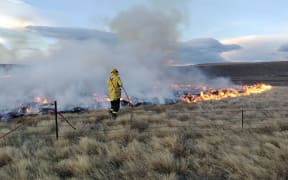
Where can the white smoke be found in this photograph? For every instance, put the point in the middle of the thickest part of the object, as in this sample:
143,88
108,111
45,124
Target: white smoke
75,69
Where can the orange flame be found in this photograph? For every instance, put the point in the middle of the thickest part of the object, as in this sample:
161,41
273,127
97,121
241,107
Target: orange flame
126,100
41,100
24,109
213,94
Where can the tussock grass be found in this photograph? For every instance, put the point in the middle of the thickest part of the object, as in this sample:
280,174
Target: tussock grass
139,125
203,140
4,159
74,167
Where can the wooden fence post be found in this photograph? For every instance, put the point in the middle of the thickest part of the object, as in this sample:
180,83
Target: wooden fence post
56,120
242,117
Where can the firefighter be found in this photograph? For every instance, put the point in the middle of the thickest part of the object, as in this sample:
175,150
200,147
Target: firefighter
114,87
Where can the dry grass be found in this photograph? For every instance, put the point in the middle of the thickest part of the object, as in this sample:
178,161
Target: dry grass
181,141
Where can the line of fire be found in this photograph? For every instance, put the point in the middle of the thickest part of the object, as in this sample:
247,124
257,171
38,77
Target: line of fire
186,93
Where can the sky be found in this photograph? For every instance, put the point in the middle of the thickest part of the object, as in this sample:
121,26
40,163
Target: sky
224,19
258,27
85,14
219,19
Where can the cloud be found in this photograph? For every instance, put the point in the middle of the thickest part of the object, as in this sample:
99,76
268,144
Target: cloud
65,33
283,48
21,45
150,28
203,50
15,42
257,48
17,14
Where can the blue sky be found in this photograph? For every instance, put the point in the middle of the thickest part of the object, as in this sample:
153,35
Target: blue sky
259,27
206,18
84,14
227,18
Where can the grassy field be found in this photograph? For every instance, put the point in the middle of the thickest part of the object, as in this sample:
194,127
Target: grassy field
203,140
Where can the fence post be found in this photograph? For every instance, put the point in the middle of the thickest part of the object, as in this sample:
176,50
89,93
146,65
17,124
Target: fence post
242,116
56,120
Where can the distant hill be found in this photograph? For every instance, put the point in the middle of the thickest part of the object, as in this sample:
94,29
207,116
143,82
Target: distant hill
275,73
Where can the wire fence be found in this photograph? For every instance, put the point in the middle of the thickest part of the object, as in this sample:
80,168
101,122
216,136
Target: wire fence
196,121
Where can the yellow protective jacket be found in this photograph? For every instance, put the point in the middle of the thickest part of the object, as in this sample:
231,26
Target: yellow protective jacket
114,86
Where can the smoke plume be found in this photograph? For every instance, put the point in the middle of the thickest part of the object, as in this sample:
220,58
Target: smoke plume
73,70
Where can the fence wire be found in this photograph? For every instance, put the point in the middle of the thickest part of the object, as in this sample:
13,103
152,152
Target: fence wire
190,119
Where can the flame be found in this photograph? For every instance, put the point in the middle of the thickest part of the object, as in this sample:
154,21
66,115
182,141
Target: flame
219,94
41,100
257,88
195,93
28,110
126,100
24,108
